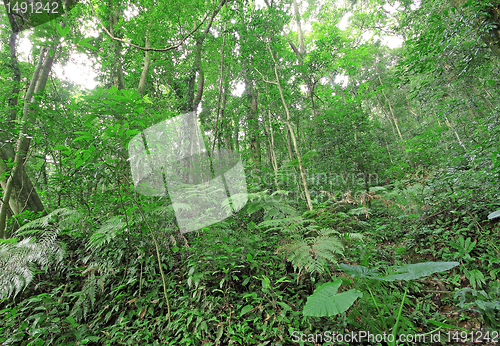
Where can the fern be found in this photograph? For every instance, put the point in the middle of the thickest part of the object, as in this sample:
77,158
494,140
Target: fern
238,200
106,233
18,257
86,298
293,225
274,207
62,218
314,253
93,286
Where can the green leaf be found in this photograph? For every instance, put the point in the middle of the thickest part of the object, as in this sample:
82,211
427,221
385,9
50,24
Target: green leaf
246,309
359,271
71,320
476,278
84,43
444,325
326,302
220,330
60,147
419,270
494,215
62,31
284,306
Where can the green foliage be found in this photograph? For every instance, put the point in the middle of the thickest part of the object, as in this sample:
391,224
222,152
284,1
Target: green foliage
325,301
314,253
485,303
111,228
406,137
17,257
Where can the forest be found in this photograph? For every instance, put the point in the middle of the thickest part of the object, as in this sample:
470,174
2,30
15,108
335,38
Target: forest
250,172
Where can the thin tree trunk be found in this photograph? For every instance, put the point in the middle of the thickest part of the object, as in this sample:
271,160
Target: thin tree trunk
118,77
387,146
145,71
294,141
226,121
219,96
455,132
253,122
302,46
387,116
289,143
236,141
272,152
390,107
409,106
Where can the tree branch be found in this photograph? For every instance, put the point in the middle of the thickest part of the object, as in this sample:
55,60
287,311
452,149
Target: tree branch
161,49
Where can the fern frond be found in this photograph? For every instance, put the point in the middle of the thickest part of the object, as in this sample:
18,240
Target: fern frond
106,233
312,254
238,200
64,218
167,210
273,207
328,231
17,259
289,224
87,298
353,236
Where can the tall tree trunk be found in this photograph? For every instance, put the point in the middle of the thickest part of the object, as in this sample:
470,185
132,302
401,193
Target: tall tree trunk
302,46
288,143
219,96
118,78
145,71
272,152
226,121
311,85
184,87
294,141
386,115
18,190
253,120
236,132
390,108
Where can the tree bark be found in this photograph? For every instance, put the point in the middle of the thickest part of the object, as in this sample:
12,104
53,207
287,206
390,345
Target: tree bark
226,121
118,77
145,71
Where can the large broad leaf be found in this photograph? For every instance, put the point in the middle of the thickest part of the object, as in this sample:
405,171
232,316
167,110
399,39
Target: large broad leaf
359,271
419,270
494,215
326,302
